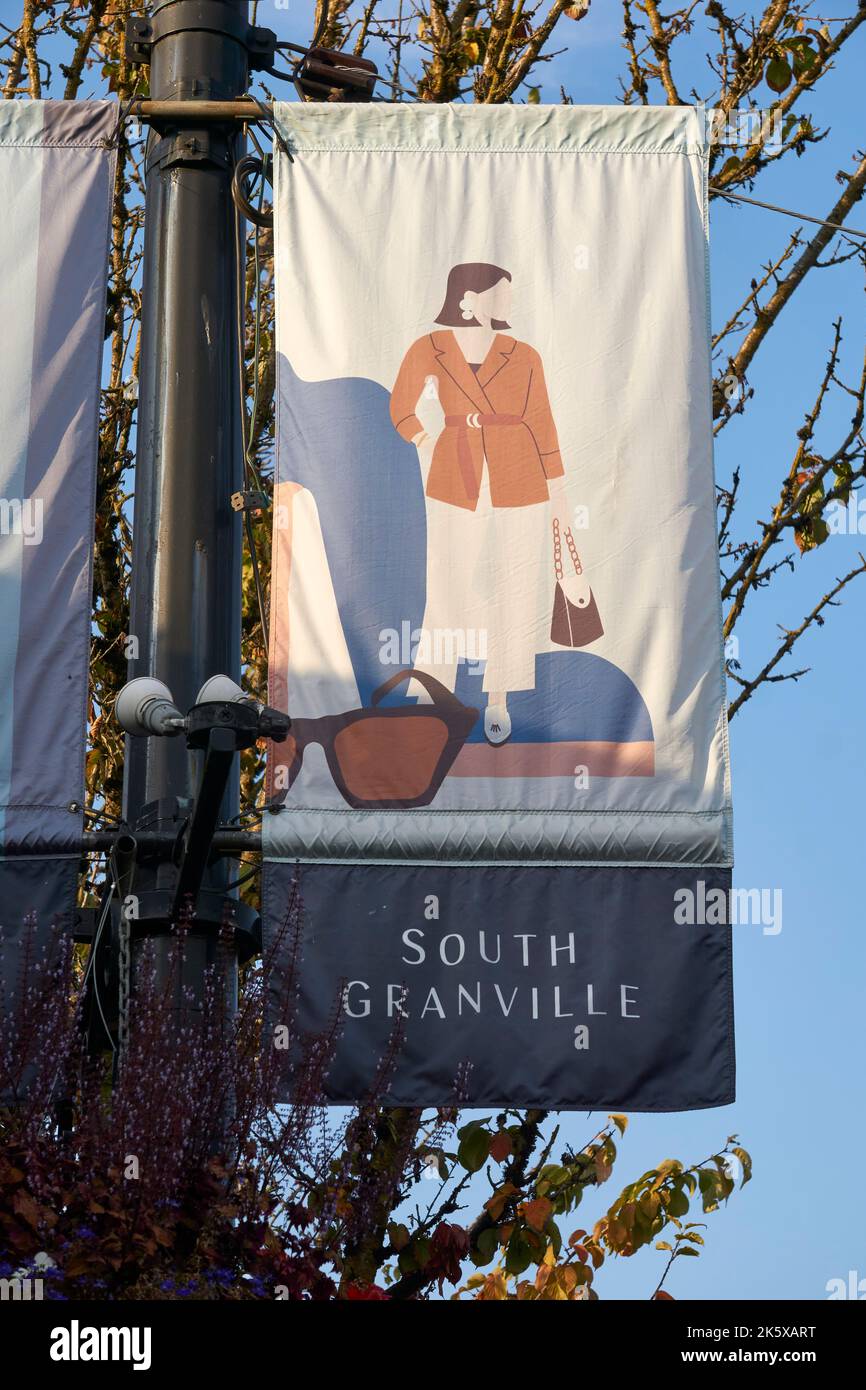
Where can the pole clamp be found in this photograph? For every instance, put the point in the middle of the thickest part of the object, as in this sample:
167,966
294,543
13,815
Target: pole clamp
191,147
213,16
138,40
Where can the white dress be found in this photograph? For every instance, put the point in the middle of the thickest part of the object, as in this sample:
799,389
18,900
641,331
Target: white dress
490,588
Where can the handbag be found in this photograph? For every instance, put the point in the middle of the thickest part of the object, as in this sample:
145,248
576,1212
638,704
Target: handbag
576,621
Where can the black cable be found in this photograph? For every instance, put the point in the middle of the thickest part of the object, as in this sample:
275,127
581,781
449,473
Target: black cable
250,166
244,878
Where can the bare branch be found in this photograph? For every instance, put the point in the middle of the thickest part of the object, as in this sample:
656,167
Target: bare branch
791,638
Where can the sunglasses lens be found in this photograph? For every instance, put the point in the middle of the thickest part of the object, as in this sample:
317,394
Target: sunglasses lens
390,759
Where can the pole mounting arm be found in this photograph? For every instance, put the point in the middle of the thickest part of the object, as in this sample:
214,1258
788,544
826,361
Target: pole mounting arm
222,730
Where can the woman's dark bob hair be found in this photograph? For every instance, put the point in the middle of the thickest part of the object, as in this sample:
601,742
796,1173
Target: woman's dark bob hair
477,276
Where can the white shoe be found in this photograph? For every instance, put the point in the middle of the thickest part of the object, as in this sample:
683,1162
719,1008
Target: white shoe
497,724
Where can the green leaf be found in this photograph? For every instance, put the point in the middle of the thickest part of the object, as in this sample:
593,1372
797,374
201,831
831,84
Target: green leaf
519,1254
551,1175
398,1234
415,1256
709,1185
778,74
679,1203
474,1150
554,1235
843,474
473,1124
804,56
486,1246
730,165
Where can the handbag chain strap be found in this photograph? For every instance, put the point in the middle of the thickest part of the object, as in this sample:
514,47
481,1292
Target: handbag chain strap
557,550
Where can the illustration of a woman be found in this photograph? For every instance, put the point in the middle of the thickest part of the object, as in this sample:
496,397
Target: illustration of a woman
473,400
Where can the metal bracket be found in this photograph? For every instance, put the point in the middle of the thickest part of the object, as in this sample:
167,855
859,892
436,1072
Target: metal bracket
138,40
260,43
222,730
202,147
249,502
197,839
262,47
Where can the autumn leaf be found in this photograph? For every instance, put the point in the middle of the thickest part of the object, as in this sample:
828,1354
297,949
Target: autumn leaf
495,1205
494,1287
501,1146
537,1213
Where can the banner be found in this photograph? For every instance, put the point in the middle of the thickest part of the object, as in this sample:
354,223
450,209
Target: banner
56,179
495,614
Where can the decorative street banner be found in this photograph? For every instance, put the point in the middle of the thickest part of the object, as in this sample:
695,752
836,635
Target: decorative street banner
495,613
56,178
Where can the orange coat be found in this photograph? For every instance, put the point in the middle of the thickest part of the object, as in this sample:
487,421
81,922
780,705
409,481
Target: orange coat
502,414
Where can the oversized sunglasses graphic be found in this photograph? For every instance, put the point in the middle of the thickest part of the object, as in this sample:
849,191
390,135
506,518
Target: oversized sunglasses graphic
388,758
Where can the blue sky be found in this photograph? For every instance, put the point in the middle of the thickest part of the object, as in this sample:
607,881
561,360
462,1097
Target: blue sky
798,767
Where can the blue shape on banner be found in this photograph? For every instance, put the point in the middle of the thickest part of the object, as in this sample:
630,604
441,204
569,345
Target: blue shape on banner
341,429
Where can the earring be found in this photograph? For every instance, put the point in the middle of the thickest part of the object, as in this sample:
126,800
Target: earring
466,311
